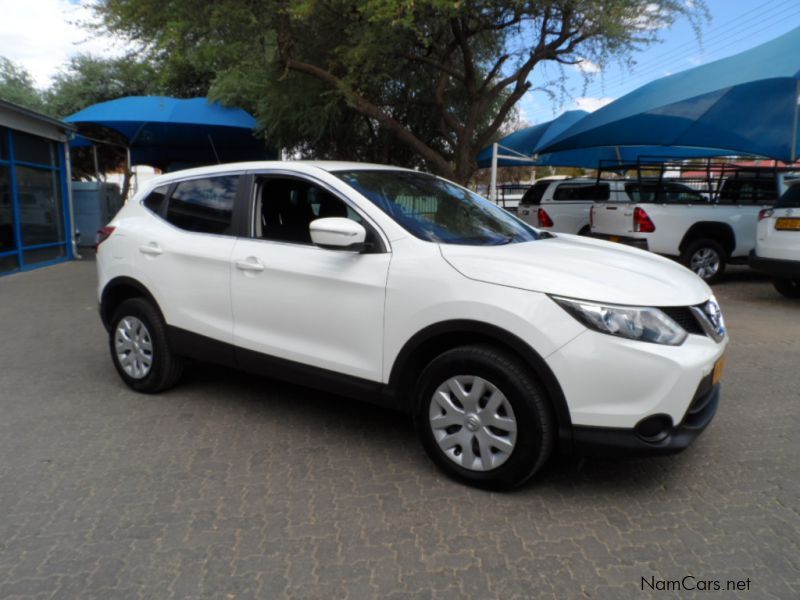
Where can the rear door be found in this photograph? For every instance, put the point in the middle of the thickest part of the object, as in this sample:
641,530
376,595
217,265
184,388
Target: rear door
184,253
294,301
779,234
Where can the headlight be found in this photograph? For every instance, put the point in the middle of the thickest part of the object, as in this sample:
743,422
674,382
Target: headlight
640,323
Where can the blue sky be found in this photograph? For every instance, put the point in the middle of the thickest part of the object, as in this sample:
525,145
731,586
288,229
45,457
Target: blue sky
735,25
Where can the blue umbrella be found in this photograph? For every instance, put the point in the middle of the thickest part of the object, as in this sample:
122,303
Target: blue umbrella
747,103
521,148
165,132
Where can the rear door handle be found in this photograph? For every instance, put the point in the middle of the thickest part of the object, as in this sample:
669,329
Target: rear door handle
151,249
250,264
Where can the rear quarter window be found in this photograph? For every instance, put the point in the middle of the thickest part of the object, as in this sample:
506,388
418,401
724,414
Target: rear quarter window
155,199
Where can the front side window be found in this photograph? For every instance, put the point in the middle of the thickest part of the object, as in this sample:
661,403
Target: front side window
436,210
204,205
285,207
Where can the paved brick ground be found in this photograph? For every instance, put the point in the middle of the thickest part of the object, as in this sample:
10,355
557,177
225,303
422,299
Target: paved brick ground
232,486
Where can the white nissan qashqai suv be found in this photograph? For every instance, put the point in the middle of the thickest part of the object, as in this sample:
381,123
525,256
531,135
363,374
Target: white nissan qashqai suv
404,289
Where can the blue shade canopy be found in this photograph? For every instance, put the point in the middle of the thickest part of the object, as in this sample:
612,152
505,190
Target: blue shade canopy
746,104
526,142
163,131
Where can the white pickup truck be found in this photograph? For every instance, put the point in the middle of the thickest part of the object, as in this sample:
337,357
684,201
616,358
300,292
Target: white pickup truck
704,231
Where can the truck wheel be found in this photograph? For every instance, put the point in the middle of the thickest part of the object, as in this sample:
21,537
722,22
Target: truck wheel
140,350
706,258
483,418
788,287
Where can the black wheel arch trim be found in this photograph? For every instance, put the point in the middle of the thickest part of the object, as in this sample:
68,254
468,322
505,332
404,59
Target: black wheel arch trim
399,380
708,229
116,284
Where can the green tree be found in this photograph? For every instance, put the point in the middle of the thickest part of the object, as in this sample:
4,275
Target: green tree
16,86
424,81
87,79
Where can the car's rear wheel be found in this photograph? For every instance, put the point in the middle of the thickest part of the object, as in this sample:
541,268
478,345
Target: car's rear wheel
140,349
706,258
788,287
483,418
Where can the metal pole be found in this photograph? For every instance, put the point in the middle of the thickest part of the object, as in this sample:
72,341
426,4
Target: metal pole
794,124
96,162
493,184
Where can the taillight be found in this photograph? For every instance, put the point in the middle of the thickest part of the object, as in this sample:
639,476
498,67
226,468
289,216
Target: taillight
642,222
544,218
102,235
765,213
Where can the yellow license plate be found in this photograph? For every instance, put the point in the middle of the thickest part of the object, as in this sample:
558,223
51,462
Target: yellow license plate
719,369
788,224
614,238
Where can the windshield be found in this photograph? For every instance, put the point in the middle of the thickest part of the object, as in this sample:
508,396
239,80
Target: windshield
790,198
436,210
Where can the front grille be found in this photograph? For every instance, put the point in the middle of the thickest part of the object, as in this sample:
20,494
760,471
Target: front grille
684,317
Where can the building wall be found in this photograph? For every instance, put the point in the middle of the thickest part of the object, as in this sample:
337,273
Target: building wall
35,218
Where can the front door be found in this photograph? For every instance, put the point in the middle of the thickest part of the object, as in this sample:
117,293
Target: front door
298,302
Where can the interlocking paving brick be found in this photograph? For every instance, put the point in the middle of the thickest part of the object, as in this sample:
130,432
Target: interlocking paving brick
232,486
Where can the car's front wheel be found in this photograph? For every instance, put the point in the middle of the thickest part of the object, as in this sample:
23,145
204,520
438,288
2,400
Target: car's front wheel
788,287
140,349
483,418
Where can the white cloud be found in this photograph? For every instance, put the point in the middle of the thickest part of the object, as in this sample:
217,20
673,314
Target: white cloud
588,67
42,35
590,104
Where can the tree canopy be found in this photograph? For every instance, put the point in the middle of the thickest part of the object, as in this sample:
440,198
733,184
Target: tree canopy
16,86
415,82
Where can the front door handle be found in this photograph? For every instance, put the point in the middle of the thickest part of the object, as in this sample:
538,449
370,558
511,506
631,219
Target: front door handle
151,249
250,264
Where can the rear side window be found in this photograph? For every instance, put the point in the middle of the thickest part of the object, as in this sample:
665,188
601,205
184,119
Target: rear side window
749,191
663,193
535,193
790,198
586,192
155,201
203,205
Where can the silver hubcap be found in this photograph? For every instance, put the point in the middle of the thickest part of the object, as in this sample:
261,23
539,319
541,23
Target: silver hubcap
705,262
473,422
134,347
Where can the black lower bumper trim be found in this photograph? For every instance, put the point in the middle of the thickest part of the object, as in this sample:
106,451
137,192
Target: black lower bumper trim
607,441
774,267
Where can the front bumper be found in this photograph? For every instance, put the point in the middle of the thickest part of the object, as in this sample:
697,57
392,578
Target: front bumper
774,267
622,239
607,441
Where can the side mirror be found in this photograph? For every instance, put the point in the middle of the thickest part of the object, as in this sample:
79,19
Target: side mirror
338,233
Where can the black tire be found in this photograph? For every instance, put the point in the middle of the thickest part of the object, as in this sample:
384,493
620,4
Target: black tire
708,245
789,288
166,368
535,435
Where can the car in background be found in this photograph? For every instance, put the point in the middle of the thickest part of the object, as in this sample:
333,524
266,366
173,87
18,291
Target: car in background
562,204
675,220
777,251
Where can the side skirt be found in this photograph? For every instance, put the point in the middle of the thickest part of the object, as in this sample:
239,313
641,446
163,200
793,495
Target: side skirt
205,349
